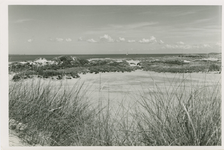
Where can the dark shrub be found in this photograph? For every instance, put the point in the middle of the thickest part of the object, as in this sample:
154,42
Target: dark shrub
52,73
40,71
114,64
23,75
214,67
16,77
59,77
83,61
74,74
177,62
65,61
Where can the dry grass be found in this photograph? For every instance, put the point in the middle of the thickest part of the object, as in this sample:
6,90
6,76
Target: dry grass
60,116
181,116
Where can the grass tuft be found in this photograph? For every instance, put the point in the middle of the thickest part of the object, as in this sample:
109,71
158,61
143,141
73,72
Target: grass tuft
181,116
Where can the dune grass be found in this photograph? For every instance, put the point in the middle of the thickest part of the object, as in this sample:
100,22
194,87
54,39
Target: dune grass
179,114
54,116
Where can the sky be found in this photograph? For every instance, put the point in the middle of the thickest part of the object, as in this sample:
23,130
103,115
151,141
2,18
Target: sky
114,29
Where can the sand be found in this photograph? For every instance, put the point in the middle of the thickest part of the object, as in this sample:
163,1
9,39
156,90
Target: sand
117,87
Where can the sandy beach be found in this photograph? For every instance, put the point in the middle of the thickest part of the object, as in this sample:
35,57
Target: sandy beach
126,88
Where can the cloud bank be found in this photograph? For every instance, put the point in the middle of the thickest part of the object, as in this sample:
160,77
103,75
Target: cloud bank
106,38
152,39
91,41
187,46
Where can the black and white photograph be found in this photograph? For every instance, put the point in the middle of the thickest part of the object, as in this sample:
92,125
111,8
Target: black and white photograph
113,75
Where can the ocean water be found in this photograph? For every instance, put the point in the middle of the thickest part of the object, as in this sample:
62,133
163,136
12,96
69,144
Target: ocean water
13,58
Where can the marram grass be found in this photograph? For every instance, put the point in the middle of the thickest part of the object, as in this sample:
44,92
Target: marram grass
178,115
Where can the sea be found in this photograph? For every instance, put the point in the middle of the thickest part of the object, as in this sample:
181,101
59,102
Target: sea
15,58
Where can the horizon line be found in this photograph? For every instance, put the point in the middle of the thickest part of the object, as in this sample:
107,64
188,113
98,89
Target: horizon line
119,54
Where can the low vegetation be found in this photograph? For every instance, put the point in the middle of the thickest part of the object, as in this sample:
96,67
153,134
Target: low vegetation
69,67
180,65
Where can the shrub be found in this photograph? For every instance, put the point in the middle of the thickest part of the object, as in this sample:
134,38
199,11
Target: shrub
174,62
18,67
23,75
83,61
66,60
74,74
52,73
17,77
214,67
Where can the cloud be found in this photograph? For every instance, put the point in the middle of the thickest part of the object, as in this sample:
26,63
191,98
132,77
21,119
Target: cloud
121,39
218,44
181,43
68,40
151,40
184,13
178,46
207,46
131,41
202,20
161,42
169,46
22,20
187,46
144,41
30,40
132,26
106,38
91,41
80,39
59,39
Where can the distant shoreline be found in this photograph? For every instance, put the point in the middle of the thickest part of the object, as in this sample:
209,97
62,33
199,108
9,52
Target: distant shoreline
21,57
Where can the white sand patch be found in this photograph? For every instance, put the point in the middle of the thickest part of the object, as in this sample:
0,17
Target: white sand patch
22,62
43,61
210,59
133,62
186,61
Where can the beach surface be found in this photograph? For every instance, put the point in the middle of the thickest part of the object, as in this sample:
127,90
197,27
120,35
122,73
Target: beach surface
117,87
